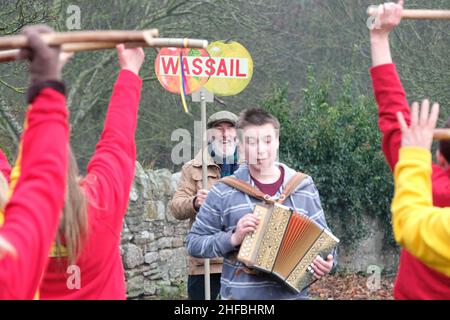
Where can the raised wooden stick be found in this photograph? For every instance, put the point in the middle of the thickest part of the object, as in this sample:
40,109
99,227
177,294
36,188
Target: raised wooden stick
177,43
59,38
417,14
441,134
10,55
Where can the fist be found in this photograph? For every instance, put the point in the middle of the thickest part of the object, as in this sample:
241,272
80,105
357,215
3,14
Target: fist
201,197
44,59
130,59
389,15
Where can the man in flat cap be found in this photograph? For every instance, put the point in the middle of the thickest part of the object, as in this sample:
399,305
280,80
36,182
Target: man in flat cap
190,195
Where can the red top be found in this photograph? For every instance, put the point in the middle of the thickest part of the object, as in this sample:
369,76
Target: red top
271,188
107,186
32,213
414,279
5,167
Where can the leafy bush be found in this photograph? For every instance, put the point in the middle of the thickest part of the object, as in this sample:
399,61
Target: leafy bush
338,143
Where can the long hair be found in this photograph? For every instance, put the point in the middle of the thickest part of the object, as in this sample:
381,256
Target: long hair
5,246
3,191
73,227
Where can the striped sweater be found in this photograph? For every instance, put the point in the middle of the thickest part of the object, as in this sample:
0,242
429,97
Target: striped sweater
211,233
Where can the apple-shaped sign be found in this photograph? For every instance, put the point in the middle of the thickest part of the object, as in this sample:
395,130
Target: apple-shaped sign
172,75
224,69
233,68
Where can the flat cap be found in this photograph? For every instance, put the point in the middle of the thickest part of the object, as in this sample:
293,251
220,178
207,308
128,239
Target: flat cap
222,116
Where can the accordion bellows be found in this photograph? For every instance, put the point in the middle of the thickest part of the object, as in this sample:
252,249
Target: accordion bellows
285,244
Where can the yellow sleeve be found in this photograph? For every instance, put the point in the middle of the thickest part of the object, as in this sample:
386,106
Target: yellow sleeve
419,227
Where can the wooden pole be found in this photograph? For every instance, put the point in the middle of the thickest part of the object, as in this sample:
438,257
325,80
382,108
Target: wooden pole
417,14
59,38
205,183
10,55
441,134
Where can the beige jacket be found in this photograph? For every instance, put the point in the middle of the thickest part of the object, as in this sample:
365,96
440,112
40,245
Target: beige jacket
182,204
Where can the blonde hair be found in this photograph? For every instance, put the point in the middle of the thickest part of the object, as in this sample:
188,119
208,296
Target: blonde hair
5,246
73,227
3,192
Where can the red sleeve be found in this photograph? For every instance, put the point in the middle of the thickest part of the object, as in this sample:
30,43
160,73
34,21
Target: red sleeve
113,163
391,98
5,167
441,186
35,206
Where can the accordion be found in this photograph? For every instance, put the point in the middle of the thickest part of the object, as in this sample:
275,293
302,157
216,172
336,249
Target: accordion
285,244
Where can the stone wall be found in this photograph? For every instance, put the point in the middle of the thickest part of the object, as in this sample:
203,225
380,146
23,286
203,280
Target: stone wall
153,242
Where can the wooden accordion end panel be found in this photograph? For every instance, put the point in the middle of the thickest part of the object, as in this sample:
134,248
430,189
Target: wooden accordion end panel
285,244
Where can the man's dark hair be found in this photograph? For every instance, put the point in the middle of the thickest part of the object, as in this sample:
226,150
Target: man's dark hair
257,117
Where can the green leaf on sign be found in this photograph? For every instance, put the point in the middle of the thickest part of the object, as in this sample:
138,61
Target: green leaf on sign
194,53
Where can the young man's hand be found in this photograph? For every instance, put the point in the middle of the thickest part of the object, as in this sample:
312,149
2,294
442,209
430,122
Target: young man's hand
420,133
130,59
389,16
322,267
245,225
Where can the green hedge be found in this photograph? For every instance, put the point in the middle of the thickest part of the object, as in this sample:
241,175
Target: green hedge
338,143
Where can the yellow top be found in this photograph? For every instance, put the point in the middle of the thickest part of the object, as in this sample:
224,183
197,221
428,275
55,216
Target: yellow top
419,227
